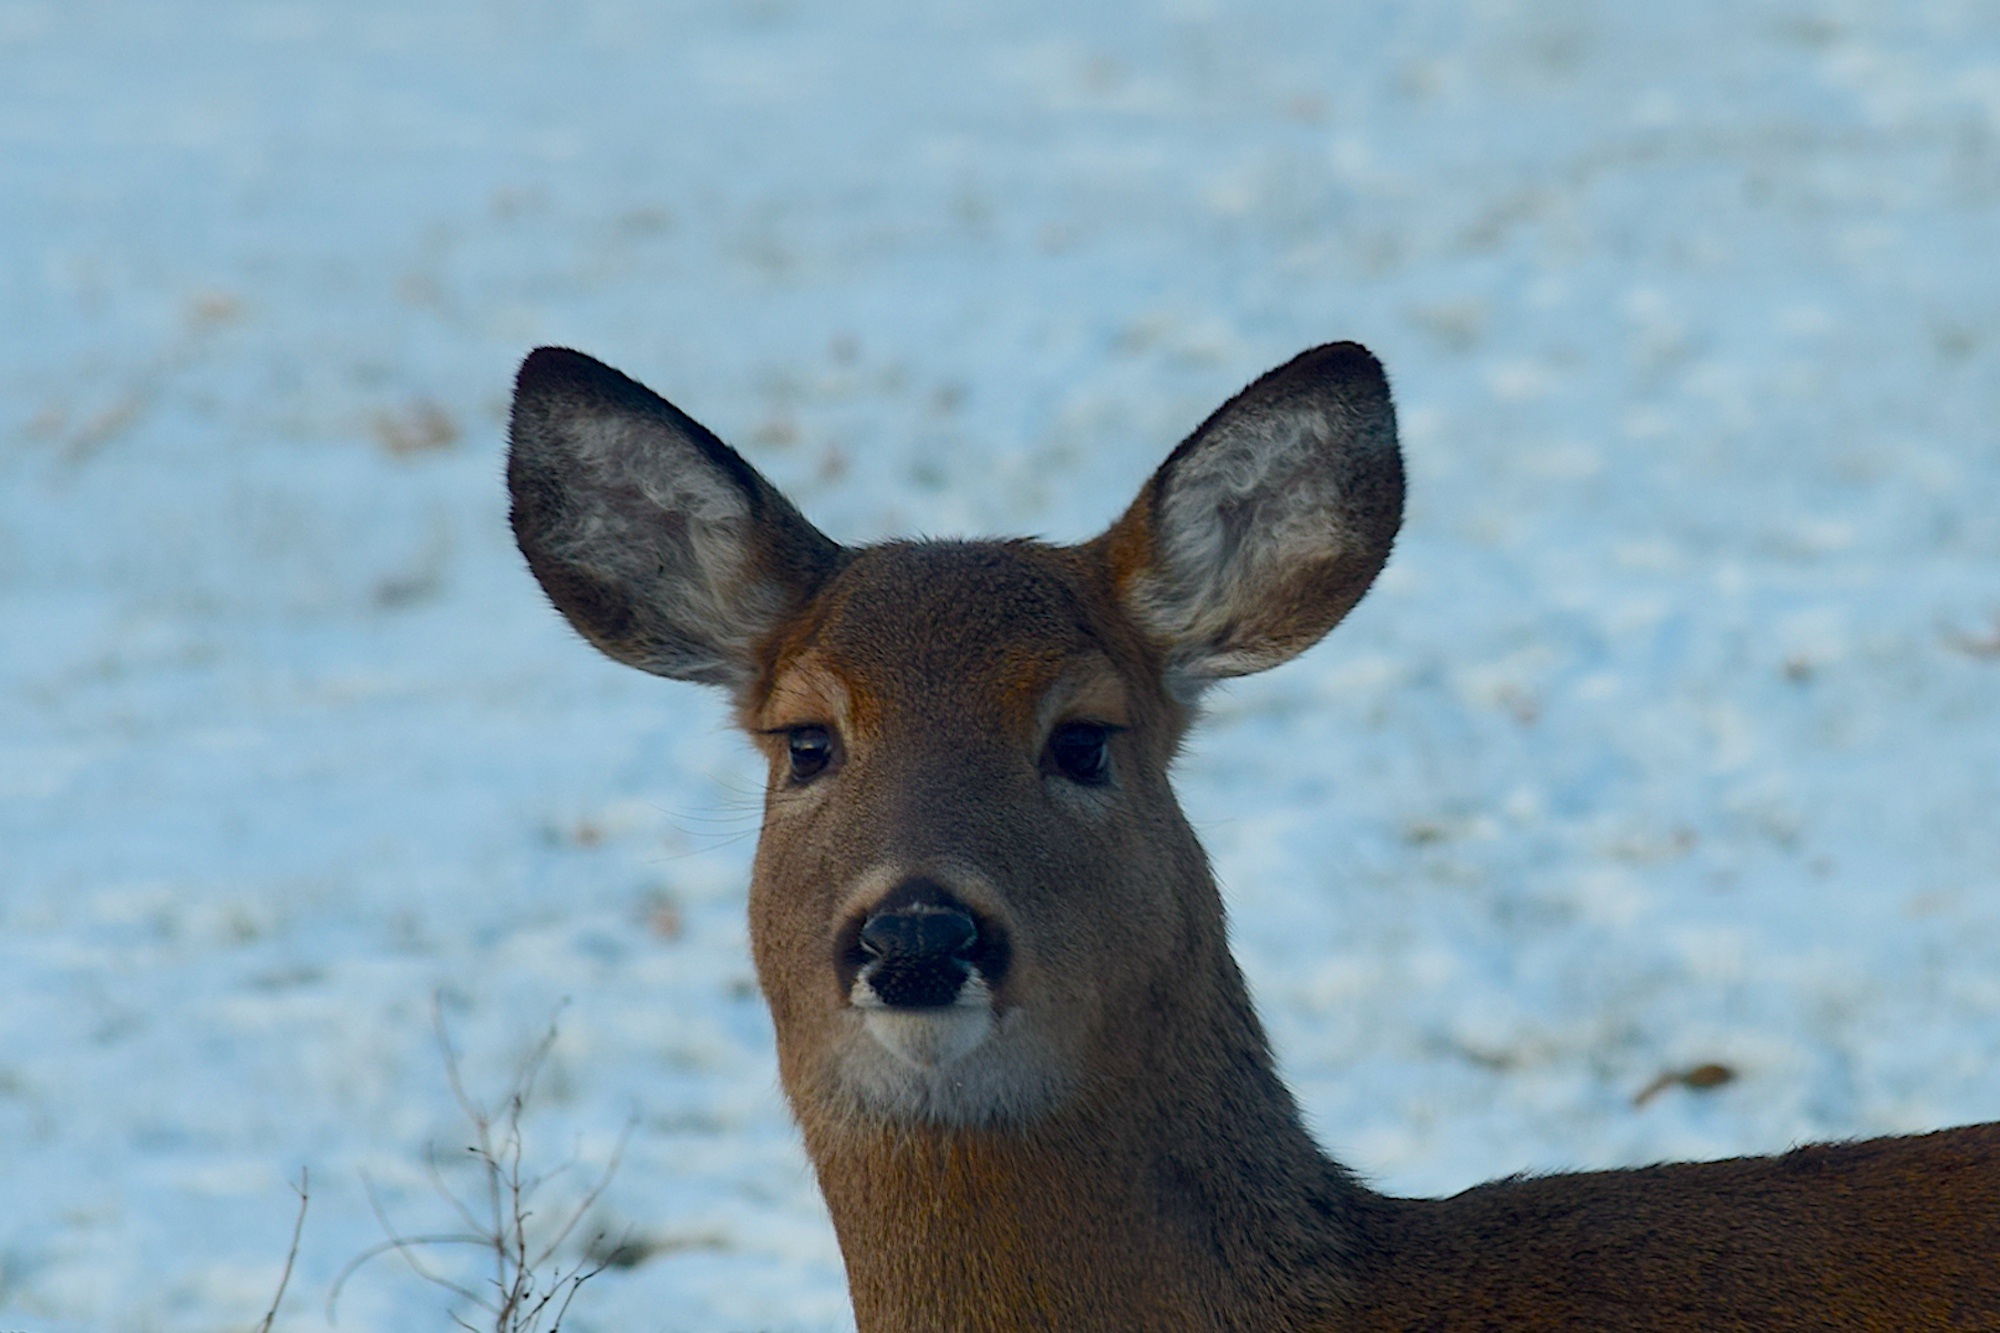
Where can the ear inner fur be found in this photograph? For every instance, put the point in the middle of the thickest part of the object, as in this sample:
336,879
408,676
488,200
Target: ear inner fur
658,542
1269,522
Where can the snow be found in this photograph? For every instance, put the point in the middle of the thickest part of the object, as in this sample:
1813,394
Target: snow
1671,735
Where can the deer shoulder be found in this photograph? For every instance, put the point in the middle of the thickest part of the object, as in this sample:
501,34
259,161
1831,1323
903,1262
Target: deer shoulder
1024,1062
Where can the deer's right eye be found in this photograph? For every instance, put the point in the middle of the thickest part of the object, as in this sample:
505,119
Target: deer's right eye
810,750
1077,751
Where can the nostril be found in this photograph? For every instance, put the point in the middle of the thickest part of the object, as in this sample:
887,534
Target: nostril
918,955
917,949
919,934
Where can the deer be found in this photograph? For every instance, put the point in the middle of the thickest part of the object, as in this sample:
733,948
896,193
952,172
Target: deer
1009,1026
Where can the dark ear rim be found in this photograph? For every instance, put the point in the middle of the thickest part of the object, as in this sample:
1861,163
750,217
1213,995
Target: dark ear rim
1328,368
1345,373
548,372
792,554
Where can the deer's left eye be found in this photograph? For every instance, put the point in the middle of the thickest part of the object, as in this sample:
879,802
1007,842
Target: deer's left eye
810,750
1079,751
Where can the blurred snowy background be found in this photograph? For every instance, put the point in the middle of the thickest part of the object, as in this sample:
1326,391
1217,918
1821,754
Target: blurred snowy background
1671,737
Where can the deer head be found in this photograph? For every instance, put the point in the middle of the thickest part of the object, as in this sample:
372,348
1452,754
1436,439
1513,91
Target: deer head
1026,1068
973,883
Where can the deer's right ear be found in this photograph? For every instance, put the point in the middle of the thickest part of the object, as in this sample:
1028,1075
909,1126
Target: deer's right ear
657,541
1267,524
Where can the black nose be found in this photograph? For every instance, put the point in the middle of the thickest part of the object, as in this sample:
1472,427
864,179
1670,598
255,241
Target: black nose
919,946
919,934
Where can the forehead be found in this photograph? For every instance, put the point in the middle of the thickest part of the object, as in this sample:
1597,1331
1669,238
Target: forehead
958,625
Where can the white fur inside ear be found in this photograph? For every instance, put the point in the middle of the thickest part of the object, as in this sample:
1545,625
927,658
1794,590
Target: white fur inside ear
659,518
644,456
1261,495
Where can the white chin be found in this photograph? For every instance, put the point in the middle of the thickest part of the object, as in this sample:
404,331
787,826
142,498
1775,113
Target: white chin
929,1038
962,1064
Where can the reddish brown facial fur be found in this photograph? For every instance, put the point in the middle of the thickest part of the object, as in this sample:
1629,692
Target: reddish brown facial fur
1025,1065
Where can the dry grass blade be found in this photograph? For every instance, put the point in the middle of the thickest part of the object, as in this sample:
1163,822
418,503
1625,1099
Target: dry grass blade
1700,1078
1980,646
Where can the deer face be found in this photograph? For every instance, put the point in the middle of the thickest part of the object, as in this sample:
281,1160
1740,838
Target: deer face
973,885
963,868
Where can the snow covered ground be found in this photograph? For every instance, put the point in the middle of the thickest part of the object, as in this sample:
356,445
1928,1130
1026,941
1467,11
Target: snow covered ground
1671,736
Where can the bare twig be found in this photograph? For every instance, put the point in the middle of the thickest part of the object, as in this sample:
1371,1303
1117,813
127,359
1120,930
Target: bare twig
406,1247
523,1290
291,1257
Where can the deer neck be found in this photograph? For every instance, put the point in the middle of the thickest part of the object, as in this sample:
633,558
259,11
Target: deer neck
1183,1193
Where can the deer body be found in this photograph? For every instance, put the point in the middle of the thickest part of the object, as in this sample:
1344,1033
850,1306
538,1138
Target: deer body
1026,1067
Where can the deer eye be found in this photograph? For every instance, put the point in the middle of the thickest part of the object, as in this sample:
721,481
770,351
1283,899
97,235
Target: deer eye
810,749
1077,750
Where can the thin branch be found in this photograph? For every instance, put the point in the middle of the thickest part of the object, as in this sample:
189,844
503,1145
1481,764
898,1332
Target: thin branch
403,1246
517,1298
444,1191
592,1195
383,1247
291,1256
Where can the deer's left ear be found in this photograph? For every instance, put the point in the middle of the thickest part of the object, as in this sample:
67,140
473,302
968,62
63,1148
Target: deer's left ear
1267,524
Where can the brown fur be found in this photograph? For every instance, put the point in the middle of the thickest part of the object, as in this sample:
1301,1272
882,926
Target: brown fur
1135,1163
